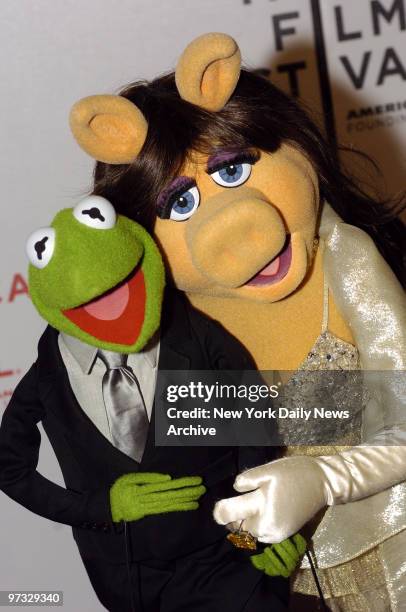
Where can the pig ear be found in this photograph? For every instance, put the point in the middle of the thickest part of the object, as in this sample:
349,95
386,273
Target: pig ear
109,128
208,71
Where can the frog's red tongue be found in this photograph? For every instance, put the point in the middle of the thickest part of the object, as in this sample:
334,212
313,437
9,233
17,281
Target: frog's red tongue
116,316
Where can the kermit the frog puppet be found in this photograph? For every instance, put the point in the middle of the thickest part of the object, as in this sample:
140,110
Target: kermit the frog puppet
141,514
97,276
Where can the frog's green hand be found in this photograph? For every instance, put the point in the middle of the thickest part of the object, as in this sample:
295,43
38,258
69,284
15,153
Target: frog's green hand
281,559
136,495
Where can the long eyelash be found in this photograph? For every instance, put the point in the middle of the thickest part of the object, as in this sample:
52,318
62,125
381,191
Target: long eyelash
247,157
165,204
165,210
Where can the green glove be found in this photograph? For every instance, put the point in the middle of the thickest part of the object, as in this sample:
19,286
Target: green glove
281,559
136,495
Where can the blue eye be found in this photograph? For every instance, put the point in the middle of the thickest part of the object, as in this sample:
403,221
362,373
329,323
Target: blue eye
185,205
232,174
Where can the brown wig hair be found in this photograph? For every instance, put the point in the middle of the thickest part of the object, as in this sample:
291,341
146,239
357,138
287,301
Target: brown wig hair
258,116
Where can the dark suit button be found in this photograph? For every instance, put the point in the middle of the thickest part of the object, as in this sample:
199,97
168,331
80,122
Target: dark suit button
95,526
105,527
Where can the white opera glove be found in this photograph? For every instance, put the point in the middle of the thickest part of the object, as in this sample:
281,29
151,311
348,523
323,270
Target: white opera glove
282,496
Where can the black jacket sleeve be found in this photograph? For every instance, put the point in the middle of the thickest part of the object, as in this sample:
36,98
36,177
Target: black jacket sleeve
20,441
225,352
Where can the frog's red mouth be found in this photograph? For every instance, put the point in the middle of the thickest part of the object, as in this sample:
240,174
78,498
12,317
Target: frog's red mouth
116,316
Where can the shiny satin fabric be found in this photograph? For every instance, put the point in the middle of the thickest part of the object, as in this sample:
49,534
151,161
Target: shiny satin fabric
362,471
371,300
367,293
127,415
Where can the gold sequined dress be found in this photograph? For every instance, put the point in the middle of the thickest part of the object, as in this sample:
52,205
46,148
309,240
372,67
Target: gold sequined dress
359,548
343,585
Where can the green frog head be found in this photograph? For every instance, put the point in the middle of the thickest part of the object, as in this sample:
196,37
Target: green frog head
97,276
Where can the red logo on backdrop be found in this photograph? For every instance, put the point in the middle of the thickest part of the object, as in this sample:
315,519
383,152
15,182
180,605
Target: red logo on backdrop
18,286
7,383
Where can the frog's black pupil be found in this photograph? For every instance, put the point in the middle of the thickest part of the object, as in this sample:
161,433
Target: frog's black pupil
182,202
94,213
40,247
231,170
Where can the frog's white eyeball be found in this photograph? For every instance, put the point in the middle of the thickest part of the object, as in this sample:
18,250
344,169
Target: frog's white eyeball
40,246
95,211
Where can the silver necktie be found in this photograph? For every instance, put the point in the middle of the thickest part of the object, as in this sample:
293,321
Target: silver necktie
126,412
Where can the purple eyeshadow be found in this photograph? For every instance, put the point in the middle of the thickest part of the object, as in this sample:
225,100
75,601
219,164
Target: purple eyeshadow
178,185
183,183
222,158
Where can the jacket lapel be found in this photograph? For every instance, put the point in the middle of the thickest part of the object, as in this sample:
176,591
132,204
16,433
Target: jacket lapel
58,397
176,349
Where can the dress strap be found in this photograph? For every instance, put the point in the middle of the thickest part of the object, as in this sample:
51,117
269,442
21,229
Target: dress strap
324,323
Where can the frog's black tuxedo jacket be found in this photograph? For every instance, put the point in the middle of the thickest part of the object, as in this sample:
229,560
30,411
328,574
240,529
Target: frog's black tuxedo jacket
90,464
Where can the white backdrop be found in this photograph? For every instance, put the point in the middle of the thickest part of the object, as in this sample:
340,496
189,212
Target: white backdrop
56,51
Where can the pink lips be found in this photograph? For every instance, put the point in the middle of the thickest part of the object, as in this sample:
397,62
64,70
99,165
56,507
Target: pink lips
275,270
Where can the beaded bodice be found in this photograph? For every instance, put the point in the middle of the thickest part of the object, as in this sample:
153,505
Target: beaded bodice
310,385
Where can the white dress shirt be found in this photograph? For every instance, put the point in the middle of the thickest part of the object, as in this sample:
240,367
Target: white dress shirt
86,370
